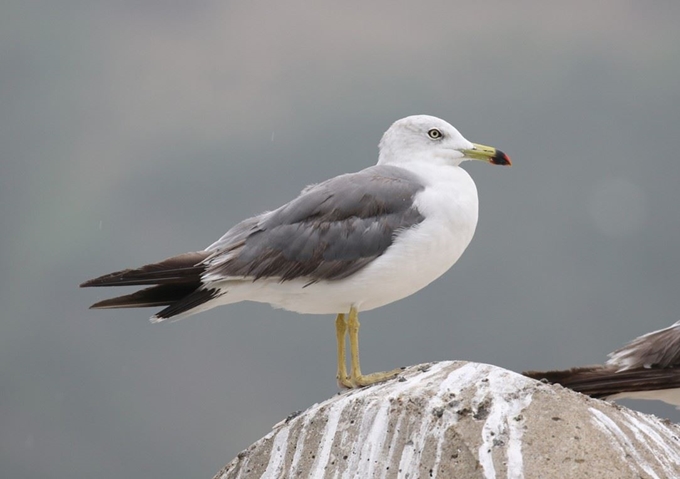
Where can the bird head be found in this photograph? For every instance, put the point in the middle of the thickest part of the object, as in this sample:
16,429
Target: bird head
424,136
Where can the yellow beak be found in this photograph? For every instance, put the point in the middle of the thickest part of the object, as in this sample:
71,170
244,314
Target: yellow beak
488,154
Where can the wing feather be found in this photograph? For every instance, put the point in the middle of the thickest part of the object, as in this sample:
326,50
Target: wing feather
329,232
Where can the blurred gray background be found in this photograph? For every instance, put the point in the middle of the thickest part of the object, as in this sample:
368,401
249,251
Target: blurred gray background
132,131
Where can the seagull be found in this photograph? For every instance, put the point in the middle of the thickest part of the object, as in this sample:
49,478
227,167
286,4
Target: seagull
648,367
351,243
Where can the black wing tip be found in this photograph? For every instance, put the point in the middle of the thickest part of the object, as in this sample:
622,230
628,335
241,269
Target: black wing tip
89,283
560,372
602,381
184,306
176,305
112,279
182,268
102,306
155,296
112,304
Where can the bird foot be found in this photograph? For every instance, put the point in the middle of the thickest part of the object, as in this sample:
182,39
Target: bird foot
363,380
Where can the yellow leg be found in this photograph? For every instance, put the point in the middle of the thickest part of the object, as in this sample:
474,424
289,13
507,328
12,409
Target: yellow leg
340,332
356,378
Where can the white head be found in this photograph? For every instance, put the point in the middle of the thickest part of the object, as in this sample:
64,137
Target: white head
427,138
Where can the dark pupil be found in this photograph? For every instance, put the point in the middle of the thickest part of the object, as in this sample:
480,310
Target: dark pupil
434,133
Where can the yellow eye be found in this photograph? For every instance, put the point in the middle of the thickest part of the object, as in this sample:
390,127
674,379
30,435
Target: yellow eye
434,134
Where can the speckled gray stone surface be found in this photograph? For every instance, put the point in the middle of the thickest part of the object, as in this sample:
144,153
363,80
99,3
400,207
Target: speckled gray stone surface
463,420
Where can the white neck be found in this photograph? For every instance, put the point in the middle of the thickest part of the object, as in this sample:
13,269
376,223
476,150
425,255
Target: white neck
433,157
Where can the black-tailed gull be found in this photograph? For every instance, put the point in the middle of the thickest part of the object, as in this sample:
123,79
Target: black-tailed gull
352,243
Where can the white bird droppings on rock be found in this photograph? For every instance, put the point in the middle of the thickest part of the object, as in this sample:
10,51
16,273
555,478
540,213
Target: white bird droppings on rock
459,419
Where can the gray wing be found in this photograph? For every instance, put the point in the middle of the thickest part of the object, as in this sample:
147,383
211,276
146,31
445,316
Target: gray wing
329,232
660,349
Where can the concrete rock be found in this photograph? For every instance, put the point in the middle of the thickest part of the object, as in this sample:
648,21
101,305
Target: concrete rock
463,420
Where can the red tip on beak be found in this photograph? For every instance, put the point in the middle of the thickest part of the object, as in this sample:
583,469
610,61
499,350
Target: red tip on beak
500,158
